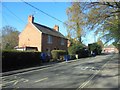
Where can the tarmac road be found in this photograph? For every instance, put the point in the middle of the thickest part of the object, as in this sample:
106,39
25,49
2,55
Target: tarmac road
94,72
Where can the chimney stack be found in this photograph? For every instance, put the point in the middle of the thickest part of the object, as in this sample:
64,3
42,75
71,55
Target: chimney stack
30,18
56,28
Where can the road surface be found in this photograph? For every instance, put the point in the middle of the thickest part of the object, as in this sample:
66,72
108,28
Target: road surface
93,72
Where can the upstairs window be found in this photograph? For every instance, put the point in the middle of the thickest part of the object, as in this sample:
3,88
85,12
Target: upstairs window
62,41
49,39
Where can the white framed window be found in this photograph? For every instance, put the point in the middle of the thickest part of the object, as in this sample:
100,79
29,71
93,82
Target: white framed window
62,41
49,39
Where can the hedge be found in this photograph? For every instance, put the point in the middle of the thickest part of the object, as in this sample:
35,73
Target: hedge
57,54
96,48
12,60
78,49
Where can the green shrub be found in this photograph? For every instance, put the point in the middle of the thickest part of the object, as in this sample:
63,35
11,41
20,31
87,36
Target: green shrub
95,48
75,48
72,49
56,54
72,56
78,49
18,59
99,50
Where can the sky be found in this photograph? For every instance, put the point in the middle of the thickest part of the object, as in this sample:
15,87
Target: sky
16,15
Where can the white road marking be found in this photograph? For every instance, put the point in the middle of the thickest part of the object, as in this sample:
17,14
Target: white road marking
9,82
89,68
15,82
26,81
84,68
1,77
90,78
0,85
92,69
21,80
41,80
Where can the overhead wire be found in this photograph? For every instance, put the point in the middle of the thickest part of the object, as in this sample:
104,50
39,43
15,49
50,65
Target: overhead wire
39,11
42,11
47,13
5,20
13,13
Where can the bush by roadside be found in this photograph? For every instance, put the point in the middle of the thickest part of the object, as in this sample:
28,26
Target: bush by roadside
58,54
75,48
78,49
95,48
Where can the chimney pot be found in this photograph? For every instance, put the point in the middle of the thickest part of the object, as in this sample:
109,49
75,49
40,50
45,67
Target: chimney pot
30,18
56,28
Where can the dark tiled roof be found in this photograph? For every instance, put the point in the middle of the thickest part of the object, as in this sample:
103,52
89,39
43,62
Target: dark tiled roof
47,30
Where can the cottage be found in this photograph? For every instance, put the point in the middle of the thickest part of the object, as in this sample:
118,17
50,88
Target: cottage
110,49
41,38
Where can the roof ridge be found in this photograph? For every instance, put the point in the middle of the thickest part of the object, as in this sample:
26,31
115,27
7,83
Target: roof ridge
48,30
43,26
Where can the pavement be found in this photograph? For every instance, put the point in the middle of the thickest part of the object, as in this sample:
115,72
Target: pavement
95,72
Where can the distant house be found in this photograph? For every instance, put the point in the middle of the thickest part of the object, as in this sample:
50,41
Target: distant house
41,38
110,49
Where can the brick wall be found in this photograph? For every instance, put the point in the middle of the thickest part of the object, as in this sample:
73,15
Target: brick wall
31,37
56,43
109,50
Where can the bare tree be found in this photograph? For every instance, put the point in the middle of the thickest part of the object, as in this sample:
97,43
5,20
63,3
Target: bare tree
9,37
75,21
